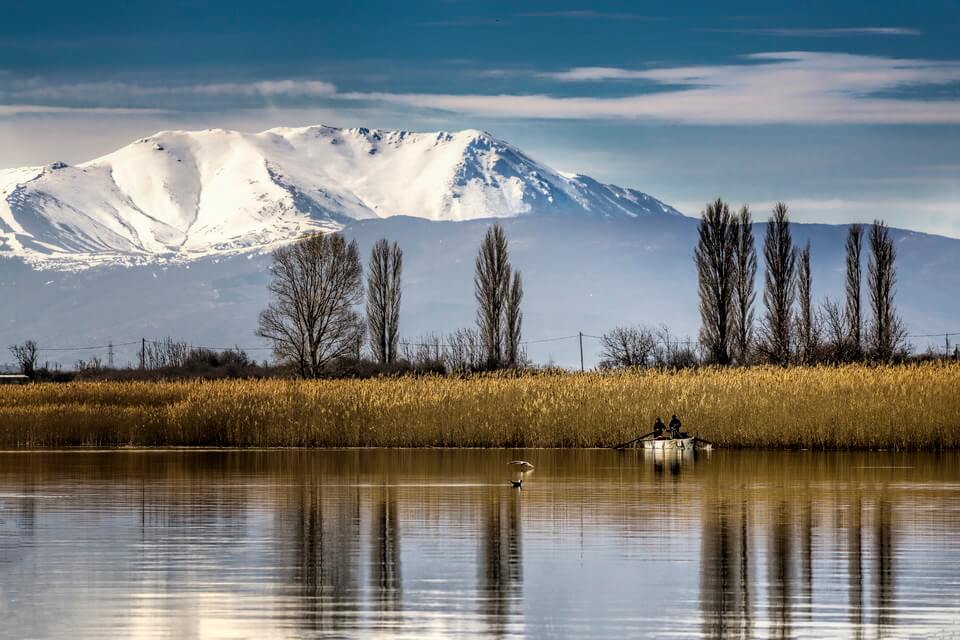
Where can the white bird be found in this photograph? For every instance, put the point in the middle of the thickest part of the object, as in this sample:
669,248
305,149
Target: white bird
523,465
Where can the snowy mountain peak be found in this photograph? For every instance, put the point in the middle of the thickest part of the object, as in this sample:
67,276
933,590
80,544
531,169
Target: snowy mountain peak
188,194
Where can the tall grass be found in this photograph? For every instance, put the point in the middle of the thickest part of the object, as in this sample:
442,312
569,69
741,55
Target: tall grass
853,407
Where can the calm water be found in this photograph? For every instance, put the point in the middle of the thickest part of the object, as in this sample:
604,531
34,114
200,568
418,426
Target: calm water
435,543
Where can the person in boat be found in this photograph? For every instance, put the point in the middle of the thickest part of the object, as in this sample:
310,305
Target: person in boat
658,428
675,426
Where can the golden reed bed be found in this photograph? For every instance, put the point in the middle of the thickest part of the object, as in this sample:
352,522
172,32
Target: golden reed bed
853,407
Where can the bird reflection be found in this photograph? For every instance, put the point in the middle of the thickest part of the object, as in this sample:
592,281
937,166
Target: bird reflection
501,563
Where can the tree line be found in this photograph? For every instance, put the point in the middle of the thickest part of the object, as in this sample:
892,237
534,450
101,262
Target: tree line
791,328
325,308
319,284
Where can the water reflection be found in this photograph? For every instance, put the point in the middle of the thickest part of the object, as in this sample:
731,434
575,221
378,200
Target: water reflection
725,572
436,543
501,566
883,565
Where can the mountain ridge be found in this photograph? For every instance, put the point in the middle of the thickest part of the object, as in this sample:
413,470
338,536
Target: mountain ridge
183,195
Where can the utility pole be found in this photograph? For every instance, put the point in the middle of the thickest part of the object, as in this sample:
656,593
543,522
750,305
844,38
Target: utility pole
581,352
143,353
946,345
110,354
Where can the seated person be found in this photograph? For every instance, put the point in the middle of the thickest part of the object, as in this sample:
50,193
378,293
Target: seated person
658,428
674,426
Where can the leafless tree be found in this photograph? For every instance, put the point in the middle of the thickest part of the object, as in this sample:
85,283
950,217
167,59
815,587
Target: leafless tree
627,347
26,356
163,354
671,352
837,345
886,330
780,260
311,320
808,330
383,300
716,273
425,353
512,321
491,287
745,257
854,313
464,351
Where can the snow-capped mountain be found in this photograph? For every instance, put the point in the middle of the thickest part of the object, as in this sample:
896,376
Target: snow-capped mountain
182,195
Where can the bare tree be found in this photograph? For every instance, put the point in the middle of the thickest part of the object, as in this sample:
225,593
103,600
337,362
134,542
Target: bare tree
383,300
512,321
745,258
671,352
716,272
854,313
464,352
837,335
807,324
491,283
425,353
627,347
779,288
26,356
311,320
163,354
886,330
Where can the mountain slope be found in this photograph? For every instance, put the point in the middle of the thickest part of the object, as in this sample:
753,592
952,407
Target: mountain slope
187,195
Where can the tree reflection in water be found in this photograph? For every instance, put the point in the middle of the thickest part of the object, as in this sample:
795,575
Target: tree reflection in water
501,561
435,543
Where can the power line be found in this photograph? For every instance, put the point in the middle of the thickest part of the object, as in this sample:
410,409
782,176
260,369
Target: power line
112,345
91,348
935,335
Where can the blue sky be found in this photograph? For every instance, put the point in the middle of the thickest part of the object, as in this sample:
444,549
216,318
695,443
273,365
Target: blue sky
846,110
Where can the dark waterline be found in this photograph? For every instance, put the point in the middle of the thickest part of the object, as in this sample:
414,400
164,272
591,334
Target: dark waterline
435,543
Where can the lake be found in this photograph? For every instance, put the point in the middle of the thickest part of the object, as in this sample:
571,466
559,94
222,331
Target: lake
436,543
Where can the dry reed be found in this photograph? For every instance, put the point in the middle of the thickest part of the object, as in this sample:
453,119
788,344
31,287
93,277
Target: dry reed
852,407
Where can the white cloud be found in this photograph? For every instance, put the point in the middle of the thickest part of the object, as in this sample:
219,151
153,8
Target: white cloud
764,88
824,32
101,91
27,109
769,88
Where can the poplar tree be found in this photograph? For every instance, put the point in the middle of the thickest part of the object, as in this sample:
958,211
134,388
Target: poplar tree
383,300
779,290
745,257
716,271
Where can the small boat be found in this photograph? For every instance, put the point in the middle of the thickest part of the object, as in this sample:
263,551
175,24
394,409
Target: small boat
669,443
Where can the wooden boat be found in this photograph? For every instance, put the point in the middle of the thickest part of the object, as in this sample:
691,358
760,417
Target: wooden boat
665,443
668,443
